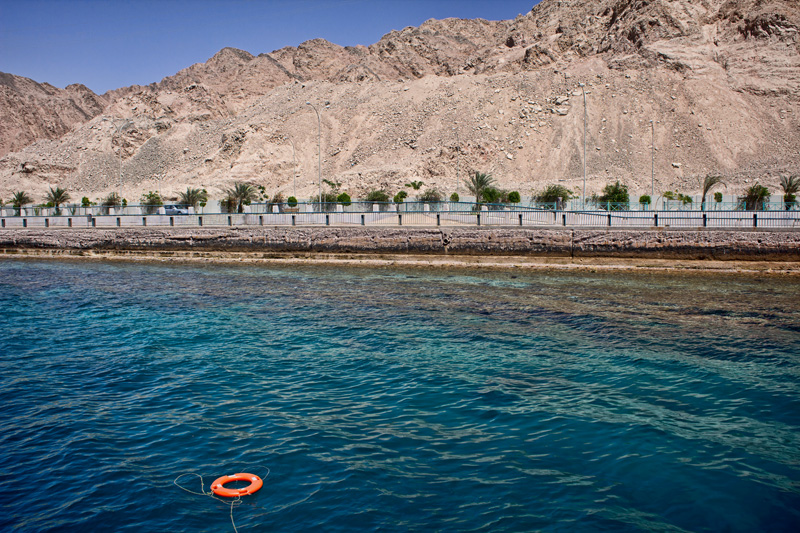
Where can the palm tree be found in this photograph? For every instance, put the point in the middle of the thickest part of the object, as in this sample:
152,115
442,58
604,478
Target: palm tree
57,197
19,199
754,197
241,194
416,185
478,182
708,182
790,186
193,197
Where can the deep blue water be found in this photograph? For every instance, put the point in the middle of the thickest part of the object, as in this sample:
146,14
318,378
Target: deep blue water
397,400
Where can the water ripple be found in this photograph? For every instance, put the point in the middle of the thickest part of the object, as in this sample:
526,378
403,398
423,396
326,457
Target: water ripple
393,400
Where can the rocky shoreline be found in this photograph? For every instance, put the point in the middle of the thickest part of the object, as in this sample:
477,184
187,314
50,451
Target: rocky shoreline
661,244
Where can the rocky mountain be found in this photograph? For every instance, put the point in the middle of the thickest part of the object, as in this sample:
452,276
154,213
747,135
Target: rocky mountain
693,87
30,111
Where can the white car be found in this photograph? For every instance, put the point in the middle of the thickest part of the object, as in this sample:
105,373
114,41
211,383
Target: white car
176,210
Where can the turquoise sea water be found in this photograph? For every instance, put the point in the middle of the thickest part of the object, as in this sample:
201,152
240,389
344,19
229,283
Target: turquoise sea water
397,400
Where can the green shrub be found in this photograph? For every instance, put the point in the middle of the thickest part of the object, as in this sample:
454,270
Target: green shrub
334,185
278,200
377,196
151,202
454,197
645,199
328,201
615,193
717,197
112,200
343,199
492,195
676,196
514,197
151,198
85,202
292,201
431,195
400,196
552,193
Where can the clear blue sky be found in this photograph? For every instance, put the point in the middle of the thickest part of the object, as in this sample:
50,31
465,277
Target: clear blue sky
116,43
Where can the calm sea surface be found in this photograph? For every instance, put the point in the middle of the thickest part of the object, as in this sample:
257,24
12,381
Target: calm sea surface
396,400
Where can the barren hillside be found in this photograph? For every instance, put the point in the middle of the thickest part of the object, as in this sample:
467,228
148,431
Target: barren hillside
720,79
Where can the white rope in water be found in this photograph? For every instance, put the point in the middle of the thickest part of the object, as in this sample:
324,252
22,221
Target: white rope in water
232,502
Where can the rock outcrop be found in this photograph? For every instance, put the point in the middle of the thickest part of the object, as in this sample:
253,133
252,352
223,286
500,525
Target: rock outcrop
31,111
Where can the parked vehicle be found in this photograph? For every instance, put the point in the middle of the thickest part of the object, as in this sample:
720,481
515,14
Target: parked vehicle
176,210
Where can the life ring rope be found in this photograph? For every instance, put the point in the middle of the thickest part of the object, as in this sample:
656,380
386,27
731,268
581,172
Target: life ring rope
229,500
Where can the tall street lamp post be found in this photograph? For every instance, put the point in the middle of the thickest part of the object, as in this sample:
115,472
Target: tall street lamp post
458,155
583,199
119,158
294,169
652,159
319,151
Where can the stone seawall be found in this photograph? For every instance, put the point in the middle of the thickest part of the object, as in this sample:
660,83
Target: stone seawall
575,243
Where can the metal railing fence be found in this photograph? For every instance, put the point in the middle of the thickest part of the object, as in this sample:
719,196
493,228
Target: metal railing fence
406,214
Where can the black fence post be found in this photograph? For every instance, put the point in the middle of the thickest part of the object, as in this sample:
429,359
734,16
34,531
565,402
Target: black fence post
705,220
755,220
655,219
609,220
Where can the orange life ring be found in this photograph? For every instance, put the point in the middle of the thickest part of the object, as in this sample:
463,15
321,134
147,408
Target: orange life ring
218,486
